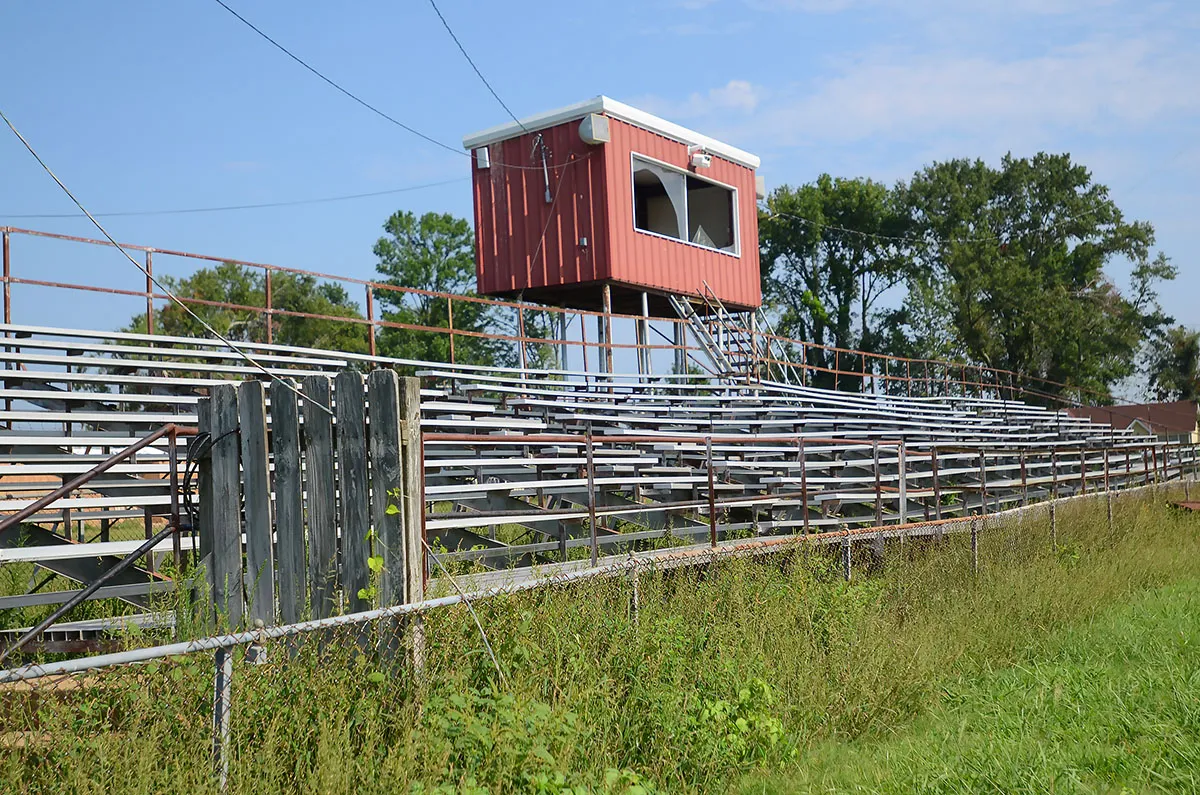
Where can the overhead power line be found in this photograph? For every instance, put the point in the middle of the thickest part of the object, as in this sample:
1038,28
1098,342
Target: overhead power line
348,93
203,323
230,207
483,79
339,87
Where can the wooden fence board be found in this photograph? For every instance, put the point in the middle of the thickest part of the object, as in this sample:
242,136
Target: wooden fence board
256,491
226,506
321,489
353,513
289,506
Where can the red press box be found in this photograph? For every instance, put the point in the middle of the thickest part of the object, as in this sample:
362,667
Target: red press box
603,193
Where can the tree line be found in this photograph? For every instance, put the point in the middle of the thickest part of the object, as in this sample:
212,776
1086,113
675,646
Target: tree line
1007,267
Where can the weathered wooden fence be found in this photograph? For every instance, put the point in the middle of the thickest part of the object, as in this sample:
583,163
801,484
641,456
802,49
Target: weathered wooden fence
297,495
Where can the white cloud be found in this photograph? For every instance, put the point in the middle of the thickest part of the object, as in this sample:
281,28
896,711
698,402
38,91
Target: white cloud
737,97
903,96
925,7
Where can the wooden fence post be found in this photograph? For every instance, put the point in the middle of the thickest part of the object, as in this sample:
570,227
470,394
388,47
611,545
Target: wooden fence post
354,513
322,519
413,508
225,496
289,506
256,487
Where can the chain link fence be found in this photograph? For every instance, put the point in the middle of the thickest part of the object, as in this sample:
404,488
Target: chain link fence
226,700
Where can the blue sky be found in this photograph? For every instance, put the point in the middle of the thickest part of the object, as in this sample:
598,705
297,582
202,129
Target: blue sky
161,105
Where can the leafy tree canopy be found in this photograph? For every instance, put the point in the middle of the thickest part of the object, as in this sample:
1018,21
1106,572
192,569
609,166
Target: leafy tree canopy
830,249
230,283
1174,365
1021,250
435,252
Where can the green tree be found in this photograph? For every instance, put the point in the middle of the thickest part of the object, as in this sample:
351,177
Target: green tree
1020,252
829,250
1175,365
436,253
230,283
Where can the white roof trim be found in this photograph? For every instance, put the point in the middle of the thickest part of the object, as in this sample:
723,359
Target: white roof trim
616,110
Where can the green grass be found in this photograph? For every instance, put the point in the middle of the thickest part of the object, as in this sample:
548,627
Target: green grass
1112,706
772,676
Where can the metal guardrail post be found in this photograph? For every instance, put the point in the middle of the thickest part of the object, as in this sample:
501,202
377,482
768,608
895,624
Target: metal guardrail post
878,485
975,546
591,491
7,282
149,293
937,488
803,483
712,494
983,492
222,706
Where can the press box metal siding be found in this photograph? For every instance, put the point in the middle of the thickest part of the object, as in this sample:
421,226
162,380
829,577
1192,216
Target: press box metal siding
531,247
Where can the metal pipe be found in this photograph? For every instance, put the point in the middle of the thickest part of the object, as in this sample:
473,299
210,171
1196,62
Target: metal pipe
712,496
937,491
222,705
591,490
91,588
803,484
878,486
983,494
270,305
7,280
450,326
99,469
371,321
149,293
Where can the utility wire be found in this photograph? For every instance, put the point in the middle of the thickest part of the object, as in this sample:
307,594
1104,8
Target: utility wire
348,93
338,87
483,79
227,208
207,327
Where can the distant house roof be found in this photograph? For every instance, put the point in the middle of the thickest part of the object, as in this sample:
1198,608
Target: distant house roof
617,110
1176,417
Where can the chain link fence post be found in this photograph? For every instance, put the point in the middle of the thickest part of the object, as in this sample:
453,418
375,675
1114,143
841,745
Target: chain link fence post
222,704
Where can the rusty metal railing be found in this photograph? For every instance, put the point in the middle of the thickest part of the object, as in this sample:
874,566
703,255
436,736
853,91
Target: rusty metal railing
868,372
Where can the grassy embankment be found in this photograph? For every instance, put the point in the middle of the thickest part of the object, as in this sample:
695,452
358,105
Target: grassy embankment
1073,669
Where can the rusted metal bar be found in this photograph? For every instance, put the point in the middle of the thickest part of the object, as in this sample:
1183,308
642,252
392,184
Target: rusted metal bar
90,589
608,346
99,469
974,545
371,322
1024,481
7,280
450,326
712,493
878,486
803,483
521,334
1054,474
1154,460
270,307
149,292
983,492
591,490
1083,471
173,462
837,368
937,489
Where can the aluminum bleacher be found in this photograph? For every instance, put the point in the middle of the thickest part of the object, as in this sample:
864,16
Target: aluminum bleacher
526,467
